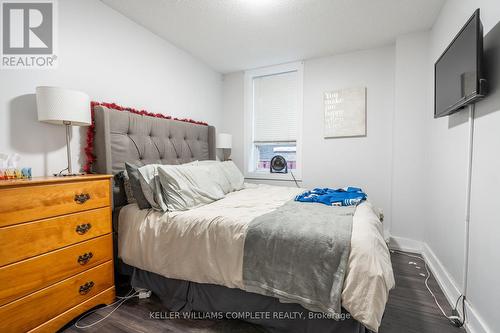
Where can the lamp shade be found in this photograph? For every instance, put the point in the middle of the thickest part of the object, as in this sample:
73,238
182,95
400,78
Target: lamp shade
59,106
224,141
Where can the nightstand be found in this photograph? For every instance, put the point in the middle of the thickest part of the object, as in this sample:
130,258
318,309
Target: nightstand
56,250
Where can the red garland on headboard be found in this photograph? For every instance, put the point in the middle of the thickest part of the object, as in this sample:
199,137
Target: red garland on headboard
89,148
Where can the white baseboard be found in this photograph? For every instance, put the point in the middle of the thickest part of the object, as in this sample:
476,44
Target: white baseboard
475,324
405,244
446,282
450,288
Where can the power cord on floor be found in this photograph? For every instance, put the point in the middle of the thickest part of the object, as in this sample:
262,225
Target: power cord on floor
294,179
454,319
121,299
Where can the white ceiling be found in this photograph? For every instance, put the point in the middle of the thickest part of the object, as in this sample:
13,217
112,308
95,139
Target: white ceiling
232,35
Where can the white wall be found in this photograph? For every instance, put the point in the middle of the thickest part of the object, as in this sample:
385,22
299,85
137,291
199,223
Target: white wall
446,163
361,161
411,103
331,162
114,60
232,113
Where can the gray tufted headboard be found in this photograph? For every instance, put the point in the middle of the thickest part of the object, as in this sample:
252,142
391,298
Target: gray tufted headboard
121,136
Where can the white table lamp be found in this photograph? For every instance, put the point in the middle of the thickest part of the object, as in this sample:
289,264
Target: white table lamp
61,106
224,142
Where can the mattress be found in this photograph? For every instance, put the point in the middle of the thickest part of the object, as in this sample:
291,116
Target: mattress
205,245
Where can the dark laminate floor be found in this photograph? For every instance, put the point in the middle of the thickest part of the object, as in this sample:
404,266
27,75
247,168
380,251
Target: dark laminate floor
410,309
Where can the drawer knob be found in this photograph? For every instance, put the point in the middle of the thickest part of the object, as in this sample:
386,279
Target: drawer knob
81,198
83,228
84,258
84,289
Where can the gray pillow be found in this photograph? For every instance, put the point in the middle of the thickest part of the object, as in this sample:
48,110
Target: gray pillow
128,188
133,175
151,187
121,178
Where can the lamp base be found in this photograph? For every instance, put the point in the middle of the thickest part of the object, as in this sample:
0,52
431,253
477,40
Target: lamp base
68,174
226,154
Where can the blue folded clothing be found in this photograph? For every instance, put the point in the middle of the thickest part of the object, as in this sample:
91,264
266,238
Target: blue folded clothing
349,196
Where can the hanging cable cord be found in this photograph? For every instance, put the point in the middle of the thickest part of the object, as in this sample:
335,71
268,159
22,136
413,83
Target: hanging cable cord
120,301
60,172
454,318
294,179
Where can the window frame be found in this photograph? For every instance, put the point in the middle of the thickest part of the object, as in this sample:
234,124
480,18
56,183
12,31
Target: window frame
249,147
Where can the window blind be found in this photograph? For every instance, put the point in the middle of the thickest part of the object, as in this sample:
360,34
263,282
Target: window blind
275,107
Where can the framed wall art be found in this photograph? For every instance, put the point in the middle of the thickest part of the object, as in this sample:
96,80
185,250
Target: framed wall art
345,112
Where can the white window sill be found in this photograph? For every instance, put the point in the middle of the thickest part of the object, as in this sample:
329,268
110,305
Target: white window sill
266,175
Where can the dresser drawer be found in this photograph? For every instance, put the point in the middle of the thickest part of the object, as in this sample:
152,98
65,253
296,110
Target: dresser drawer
24,277
53,325
26,240
29,203
31,311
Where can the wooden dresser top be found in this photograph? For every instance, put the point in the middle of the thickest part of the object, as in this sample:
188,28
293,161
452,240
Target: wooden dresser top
51,180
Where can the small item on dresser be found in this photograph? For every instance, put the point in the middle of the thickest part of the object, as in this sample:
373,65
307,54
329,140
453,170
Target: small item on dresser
9,167
18,173
26,173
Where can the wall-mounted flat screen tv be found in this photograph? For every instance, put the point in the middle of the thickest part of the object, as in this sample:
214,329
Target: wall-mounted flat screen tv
458,77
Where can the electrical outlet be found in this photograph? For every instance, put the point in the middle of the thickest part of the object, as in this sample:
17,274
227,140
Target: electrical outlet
144,294
456,321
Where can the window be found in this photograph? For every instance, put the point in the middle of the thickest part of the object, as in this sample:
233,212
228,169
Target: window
273,113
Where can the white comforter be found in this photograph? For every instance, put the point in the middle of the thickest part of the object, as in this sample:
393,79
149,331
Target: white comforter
205,245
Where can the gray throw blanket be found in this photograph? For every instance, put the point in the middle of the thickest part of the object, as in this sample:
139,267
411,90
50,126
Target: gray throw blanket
298,253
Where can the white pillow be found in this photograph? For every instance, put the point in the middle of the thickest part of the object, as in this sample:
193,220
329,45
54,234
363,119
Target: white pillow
151,187
226,174
216,171
233,174
188,186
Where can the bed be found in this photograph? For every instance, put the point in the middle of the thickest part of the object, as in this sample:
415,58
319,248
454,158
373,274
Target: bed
192,259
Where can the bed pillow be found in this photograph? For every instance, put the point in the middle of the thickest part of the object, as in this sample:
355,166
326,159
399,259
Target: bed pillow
188,186
217,174
133,176
151,187
233,174
233,177
127,187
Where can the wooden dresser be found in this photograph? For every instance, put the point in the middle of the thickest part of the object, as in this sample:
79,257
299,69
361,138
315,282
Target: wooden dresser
56,250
